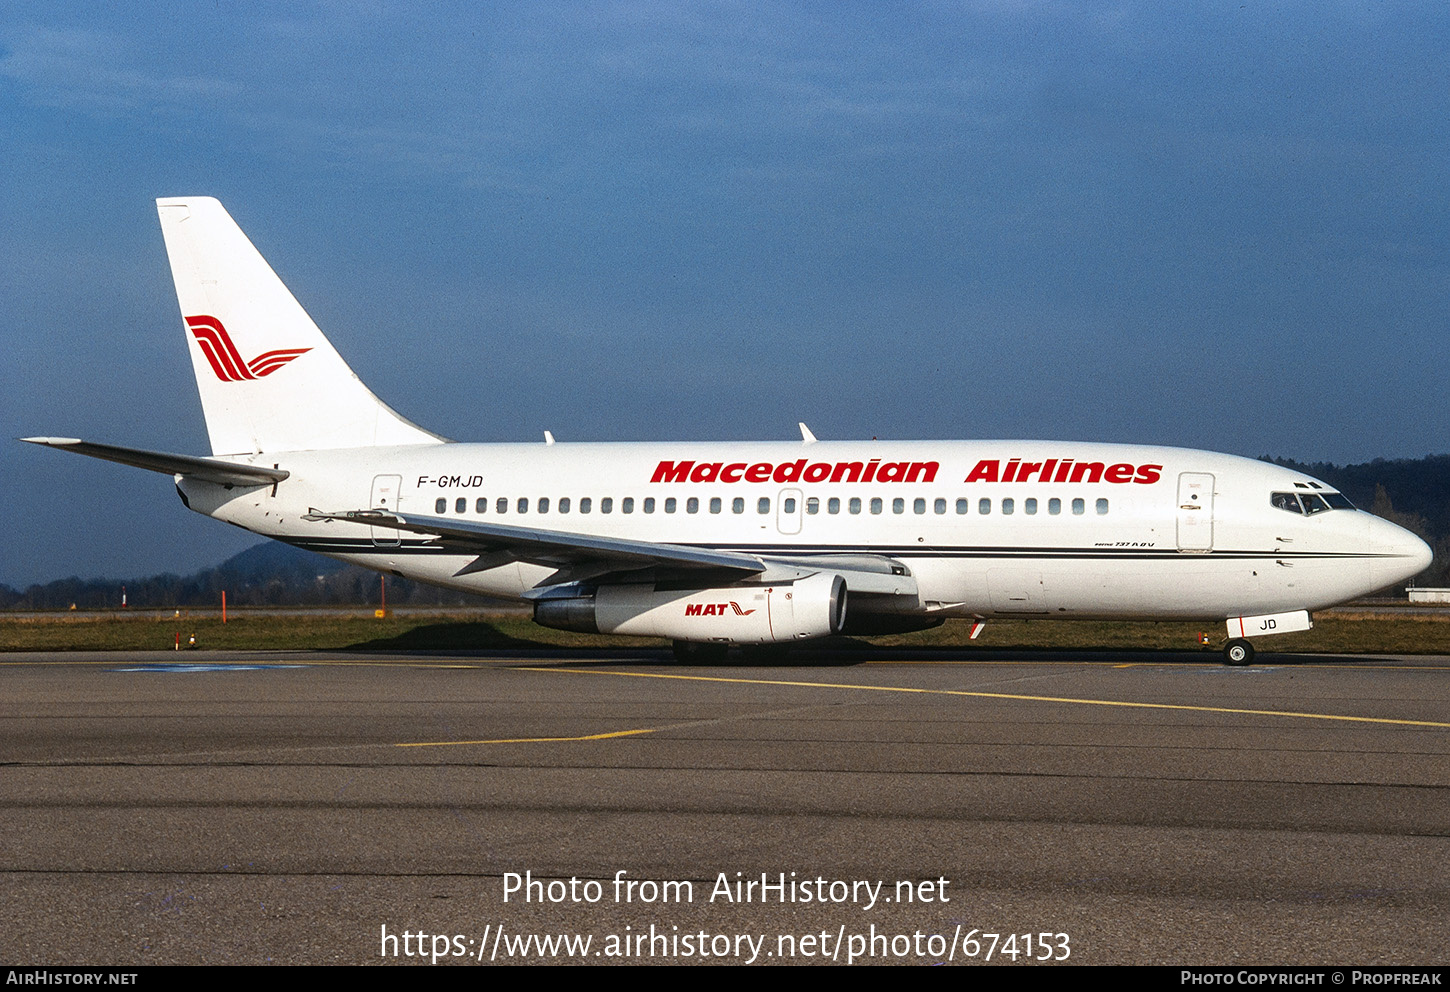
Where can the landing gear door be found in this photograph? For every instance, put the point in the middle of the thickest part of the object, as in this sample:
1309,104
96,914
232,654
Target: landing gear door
385,497
1195,511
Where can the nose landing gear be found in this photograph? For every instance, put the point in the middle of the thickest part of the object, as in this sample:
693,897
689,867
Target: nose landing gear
1238,652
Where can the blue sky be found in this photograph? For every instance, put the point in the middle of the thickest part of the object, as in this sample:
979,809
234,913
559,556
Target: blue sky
1214,225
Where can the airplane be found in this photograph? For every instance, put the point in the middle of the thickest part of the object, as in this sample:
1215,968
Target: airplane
763,544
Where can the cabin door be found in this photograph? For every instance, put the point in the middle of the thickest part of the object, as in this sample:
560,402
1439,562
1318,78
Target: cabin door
1195,511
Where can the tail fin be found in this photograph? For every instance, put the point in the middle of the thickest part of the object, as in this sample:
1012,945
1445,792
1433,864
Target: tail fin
269,380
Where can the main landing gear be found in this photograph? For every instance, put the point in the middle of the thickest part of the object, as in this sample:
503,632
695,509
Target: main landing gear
700,653
712,653
1238,652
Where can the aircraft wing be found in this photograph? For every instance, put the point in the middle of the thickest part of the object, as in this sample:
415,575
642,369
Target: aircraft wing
577,556
217,470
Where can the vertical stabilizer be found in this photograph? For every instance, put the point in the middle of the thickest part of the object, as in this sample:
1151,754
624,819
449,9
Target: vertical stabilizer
269,380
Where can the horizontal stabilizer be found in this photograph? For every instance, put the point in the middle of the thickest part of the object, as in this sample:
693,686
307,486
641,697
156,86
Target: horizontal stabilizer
217,470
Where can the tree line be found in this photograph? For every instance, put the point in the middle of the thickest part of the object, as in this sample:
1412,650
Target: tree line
1411,492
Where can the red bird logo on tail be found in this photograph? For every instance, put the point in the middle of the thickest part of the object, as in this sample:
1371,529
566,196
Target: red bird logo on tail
226,361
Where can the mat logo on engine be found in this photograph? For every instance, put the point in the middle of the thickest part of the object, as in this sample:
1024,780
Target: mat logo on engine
715,609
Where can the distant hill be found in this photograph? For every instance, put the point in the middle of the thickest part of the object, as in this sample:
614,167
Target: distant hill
268,574
271,560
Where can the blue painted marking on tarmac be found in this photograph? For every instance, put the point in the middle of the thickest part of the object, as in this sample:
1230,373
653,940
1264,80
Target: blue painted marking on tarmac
202,668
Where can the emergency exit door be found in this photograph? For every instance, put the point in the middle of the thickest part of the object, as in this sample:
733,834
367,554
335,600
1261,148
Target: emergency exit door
385,497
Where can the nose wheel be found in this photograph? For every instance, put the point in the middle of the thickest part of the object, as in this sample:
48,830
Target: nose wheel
1238,652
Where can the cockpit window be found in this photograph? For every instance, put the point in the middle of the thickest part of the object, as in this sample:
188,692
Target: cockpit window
1286,501
1310,503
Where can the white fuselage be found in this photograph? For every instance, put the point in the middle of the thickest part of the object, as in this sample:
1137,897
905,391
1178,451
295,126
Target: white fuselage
987,528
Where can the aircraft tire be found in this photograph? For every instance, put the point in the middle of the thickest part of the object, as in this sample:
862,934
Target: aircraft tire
1238,652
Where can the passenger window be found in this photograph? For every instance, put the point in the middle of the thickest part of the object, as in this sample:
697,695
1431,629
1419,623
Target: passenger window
563,504
1009,505
626,505
1078,506
813,505
876,504
606,505
502,506
763,505
715,504
460,505
984,507
1029,506
440,505
692,505
855,504
963,505
918,506
940,507
833,505
585,504
737,505
1102,507
789,506
523,504
649,504
1054,506
898,505
543,504
670,504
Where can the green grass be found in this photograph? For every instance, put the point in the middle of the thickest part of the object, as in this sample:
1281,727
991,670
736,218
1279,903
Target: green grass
140,632
1342,632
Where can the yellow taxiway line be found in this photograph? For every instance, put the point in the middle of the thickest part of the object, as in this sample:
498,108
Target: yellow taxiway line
536,740
1017,697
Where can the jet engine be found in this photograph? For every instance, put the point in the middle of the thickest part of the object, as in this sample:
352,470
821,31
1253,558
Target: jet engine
814,606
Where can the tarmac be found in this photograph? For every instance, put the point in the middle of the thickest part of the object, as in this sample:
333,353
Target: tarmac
1115,808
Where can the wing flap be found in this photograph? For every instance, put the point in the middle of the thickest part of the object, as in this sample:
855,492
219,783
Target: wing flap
499,543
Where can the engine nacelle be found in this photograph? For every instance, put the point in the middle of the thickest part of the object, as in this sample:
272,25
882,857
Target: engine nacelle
811,607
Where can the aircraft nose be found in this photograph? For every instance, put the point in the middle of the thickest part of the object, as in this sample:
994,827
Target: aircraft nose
1399,553
1421,555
